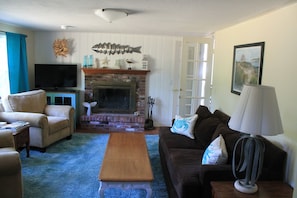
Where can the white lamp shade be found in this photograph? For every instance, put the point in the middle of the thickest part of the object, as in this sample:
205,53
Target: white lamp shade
257,112
110,15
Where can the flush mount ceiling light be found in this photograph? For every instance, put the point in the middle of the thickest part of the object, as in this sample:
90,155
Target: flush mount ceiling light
66,27
110,14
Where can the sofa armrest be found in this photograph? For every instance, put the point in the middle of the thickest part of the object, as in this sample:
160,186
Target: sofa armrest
6,139
35,119
59,110
12,163
210,173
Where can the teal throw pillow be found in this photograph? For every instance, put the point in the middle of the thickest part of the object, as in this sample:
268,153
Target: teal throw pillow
184,126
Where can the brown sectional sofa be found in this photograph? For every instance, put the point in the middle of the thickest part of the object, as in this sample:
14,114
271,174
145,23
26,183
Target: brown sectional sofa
181,157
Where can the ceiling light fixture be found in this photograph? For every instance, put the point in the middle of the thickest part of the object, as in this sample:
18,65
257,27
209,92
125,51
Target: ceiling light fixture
66,27
110,14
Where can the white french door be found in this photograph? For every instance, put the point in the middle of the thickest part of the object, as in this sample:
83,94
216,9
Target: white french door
196,73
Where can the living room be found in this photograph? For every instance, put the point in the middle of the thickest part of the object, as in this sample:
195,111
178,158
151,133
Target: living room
276,29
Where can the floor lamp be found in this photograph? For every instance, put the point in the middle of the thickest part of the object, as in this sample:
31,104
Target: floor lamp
257,114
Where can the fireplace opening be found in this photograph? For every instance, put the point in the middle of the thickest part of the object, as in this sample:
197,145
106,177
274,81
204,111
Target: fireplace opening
115,97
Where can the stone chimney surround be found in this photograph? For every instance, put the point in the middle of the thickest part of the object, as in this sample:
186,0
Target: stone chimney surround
108,121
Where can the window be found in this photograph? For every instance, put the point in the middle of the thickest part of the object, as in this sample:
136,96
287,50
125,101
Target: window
4,79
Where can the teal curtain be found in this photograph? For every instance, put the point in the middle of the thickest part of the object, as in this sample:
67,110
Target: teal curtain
17,62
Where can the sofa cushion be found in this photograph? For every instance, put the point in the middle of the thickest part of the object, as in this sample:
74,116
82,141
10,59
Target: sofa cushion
203,113
216,152
273,158
7,149
230,136
30,101
57,123
205,129
222,116
184,125
173,140
184,168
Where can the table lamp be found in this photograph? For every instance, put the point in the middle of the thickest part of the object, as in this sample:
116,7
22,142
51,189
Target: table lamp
257,114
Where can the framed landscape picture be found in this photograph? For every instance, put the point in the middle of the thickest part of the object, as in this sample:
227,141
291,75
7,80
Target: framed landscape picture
247,65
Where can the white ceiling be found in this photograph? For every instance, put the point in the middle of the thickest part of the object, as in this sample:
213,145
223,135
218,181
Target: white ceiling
162,17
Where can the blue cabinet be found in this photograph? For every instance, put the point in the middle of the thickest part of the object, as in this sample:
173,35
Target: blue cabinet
64,98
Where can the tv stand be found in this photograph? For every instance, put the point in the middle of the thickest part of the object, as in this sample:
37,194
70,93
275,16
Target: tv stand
57,89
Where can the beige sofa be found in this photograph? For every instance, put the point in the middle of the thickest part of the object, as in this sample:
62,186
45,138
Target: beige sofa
11,184
48,123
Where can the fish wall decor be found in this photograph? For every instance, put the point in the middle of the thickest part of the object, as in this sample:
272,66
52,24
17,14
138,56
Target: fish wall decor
112,48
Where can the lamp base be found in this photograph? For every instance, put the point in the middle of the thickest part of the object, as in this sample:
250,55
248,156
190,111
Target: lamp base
245,188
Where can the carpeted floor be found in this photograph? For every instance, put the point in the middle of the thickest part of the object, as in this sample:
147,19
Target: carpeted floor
70,168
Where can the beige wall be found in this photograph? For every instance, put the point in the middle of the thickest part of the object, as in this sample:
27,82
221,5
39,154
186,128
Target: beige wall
279,32
161,51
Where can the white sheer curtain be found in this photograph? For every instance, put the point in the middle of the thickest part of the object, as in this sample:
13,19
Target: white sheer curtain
4,79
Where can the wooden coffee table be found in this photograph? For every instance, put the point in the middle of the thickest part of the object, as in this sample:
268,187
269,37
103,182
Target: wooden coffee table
126,163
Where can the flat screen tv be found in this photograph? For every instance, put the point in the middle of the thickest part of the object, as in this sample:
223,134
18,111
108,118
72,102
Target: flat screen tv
55,76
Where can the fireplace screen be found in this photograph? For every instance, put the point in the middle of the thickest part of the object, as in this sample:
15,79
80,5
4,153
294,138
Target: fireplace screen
115,97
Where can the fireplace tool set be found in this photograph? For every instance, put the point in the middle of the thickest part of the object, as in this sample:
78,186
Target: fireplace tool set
149,124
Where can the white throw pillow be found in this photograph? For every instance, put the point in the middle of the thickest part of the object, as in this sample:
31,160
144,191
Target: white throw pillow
184,126
216,152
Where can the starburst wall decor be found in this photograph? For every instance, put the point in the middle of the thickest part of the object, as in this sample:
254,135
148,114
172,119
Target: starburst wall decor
60,47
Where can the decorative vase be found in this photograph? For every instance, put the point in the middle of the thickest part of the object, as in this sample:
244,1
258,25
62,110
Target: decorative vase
144,62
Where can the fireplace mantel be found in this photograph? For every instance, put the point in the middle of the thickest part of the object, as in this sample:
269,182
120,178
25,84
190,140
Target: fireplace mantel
91,71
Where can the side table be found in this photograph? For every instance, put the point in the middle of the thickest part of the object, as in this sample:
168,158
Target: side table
267,189
21,138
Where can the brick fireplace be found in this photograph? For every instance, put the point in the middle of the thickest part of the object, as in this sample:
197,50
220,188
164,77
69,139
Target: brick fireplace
100,85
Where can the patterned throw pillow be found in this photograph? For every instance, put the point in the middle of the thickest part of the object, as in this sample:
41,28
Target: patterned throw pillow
216,152
184,126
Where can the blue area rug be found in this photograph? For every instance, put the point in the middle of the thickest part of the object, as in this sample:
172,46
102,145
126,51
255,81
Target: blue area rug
70,168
